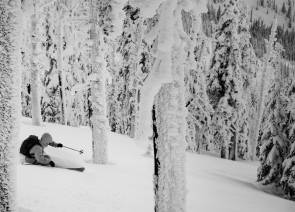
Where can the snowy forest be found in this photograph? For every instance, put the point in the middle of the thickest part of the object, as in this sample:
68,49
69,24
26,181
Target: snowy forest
177,105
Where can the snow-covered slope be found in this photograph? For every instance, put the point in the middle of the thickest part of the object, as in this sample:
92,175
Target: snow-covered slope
125,184
268,15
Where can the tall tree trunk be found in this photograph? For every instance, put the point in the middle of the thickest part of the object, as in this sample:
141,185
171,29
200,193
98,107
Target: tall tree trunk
99,121
35,80
10,102
169,178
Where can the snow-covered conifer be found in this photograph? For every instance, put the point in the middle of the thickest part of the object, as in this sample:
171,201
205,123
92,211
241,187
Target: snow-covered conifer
197,103
288,166
288,177
75,60
51,98
273,138
271,56
126,80
59,19
248,59
224,79
275,131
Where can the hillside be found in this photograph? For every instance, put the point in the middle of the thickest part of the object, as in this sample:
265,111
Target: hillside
268,10
125,184
261,15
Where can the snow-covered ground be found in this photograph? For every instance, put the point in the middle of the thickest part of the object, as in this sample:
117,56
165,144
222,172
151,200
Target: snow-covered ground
125,184
268,15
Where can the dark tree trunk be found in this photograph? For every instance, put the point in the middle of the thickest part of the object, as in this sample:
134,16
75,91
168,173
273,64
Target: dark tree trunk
233,146
156,160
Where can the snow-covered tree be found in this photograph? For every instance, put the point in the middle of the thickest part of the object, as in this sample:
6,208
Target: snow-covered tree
169,175
248,67
276,132
10,101
51,98
75,54
199,109
288,174
33,10
269,57
104,24
248,57
288,166
166,82
101,26
59,18
34,54
274,140
126,80
224,80
35,74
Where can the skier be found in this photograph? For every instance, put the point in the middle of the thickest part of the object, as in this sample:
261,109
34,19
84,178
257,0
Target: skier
33,149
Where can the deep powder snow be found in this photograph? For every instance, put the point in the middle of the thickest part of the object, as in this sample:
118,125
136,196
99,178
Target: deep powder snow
125,183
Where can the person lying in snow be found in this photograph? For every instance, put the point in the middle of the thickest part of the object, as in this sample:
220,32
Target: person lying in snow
33,149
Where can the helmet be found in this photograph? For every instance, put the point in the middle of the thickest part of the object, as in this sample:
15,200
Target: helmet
46,139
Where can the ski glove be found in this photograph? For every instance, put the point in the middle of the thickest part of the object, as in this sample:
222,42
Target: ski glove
59,145
52,164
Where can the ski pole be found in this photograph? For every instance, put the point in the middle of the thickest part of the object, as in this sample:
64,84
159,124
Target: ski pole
80,151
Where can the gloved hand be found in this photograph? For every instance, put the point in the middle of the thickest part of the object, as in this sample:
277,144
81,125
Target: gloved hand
52,164
59,145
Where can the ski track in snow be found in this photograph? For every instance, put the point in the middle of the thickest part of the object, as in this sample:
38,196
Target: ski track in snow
125,183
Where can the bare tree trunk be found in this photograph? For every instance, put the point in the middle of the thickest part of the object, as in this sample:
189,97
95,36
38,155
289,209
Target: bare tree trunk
35,80
10,102
99,121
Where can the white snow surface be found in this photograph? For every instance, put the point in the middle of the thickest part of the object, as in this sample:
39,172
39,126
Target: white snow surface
126,182
64,159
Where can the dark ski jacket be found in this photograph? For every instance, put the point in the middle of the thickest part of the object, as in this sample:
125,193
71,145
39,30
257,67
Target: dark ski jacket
32,149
